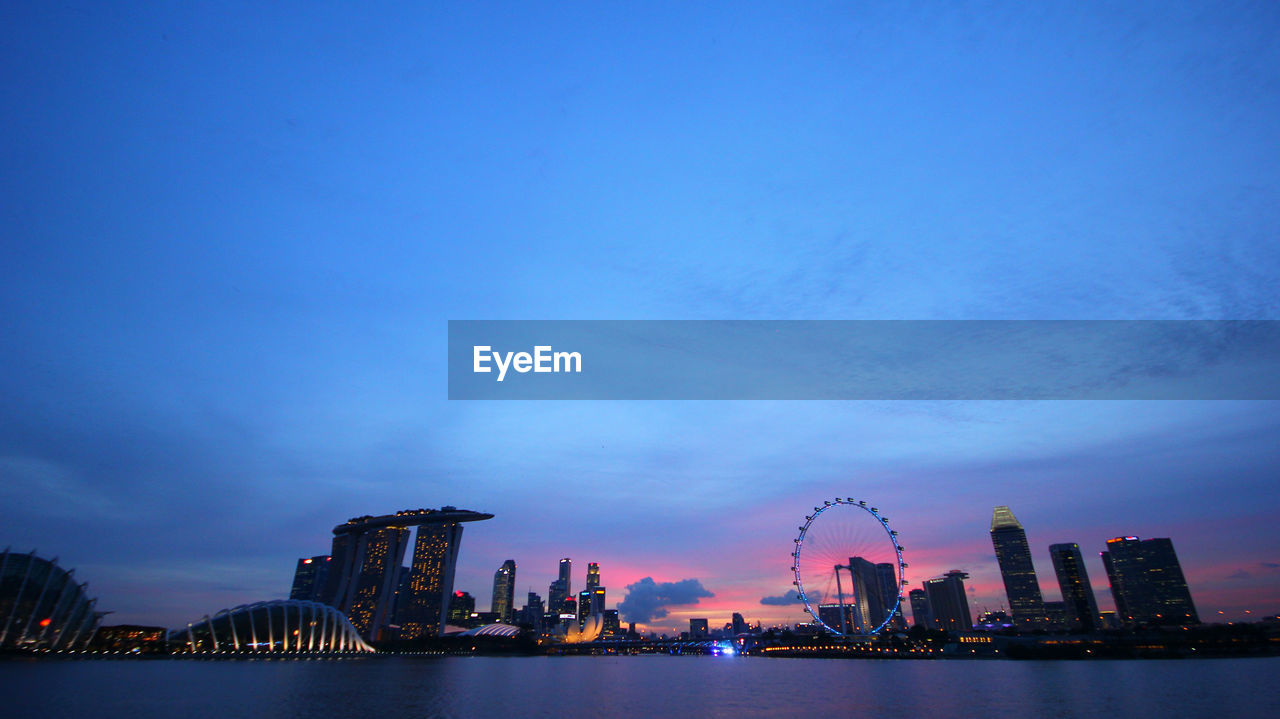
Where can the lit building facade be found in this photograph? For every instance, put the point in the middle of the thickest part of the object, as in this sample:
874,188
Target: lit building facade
921,615
612,625
370,598
461,606
435,555
561,589
310,577
1147,582
948,602
1016,569
830,615
1073,580
891,593
867,595
504,591
365,571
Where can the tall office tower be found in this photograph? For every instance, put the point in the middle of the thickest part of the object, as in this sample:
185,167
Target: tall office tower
1073,580
1017,569
504,591
593,575
698,628
561,589
310,577
830,615
890,590
590,601
921,615
365,569
461,605
1147,582
556,596
612,626
435,554
866,594
533,611
948,602
739,624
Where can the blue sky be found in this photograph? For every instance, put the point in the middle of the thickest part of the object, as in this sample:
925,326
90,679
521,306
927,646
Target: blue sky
234,236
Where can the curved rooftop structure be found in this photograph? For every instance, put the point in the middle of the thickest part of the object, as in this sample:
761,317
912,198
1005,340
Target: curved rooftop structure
410,518
492,630
282,625
41,606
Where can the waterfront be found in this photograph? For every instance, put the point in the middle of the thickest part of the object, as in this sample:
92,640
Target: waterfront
636,686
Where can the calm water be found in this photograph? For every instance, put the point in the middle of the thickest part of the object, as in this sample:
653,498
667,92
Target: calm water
639,686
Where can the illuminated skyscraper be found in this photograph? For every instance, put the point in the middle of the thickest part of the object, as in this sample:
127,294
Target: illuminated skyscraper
1017,569
890,590
310,578
1073,580
612,626
365,568
461,605
948,602
504,591
435,554
921,615
866,595
1147,582
370,598
830,615
560,589
590,601
593,575
698,628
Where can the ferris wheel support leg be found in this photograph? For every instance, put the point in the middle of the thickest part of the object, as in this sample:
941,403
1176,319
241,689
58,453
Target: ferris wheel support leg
840,594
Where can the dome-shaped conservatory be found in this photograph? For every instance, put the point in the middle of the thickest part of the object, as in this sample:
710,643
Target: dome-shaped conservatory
41,606
283,625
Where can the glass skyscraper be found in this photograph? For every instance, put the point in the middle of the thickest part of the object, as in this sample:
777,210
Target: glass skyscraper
1016,568
1073,579
1147,582
560,589
310,577
921,615
504,591
948,602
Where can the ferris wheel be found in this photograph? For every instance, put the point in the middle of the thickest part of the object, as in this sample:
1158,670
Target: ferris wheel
847,562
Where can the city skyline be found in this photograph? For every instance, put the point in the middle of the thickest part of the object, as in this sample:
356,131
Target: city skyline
1068,570
236,238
